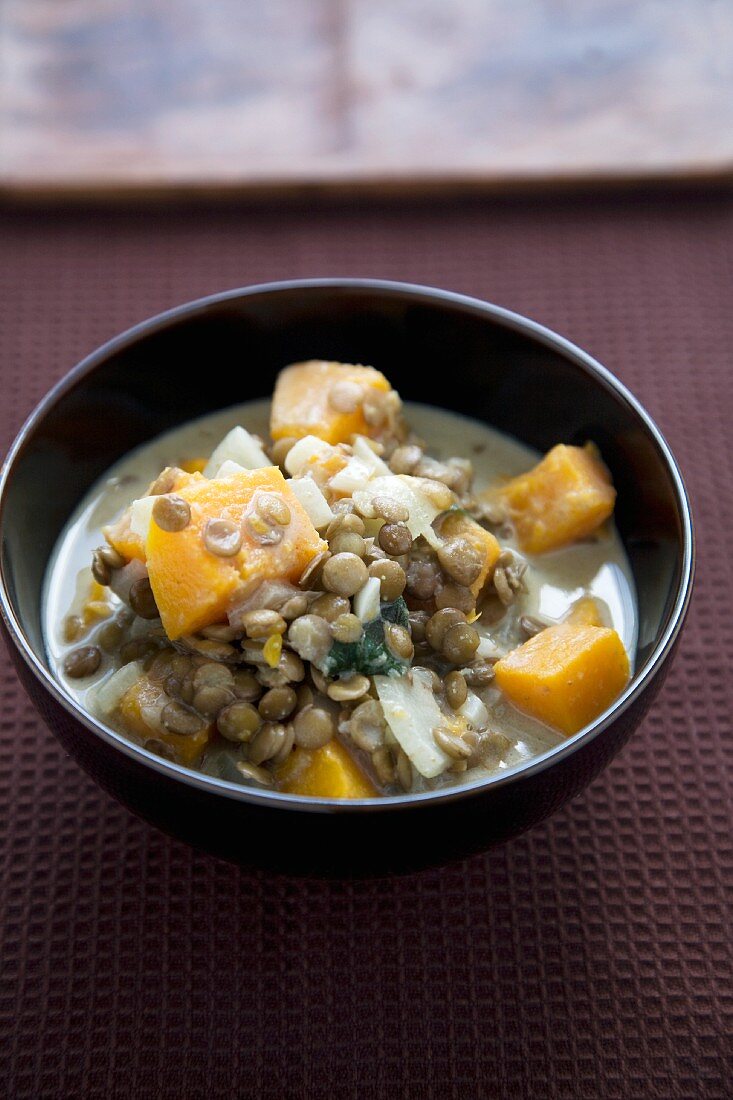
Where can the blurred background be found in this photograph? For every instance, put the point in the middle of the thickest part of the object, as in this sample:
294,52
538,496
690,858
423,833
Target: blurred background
108,96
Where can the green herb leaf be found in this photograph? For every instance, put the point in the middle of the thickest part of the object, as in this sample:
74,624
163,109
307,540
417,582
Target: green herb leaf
370,655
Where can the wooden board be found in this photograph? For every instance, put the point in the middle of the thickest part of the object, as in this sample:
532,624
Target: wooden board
108,96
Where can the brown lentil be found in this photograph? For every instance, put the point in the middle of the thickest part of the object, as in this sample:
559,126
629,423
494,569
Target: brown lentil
456,690
310,637
313,727
273,509
263,532
391,576
222,538
291,667
418,622
504,590
440,622
213,674
344,522
460,560
211,698
239,721
312,569
164,482
352,687
455,595
383,766
73,628
460,643
220,632
281,448
160,748
439,495
329,606
100,569
263,623
142,600
367,725
395,539
180,719
403,768
346,628
305,696
277,703
136,648
267,742
348,542
251,771
292,608
405,459
171,513
319,680
111,556
344,574
391,510
110,636
83,661
343,507
529,625
246,686
422,579
398,641
452,746
187,691
212,651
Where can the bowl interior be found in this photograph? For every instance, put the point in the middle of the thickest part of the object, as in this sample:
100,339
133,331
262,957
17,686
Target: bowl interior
437,349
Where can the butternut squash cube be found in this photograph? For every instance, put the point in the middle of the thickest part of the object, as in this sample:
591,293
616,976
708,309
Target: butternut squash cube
326,400
139,710
120,534
194,587
566,675
328,772
564,498
458,524
585,612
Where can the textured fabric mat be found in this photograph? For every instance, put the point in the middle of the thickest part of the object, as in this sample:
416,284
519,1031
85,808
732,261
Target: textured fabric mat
589,958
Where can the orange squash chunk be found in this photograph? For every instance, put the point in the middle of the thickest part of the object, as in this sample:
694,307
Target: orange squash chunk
328,772
138,708
457,524
129,543
564,498
585,612
322,399
566,675
194,587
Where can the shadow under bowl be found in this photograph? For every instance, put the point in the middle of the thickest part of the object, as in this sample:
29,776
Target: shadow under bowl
436,347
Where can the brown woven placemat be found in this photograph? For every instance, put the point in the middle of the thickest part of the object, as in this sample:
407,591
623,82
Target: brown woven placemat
589,958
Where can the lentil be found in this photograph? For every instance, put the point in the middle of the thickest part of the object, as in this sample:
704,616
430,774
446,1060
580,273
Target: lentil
281,448
460,560
142,600
178,718
100,569
346,628
171,513
455,595
344,574
403,768
398,641
273,509
239,721
452,746
263,623
348,542
211,698
313,568
367,725
504,590
310,637
395,539
246,686
460,643
82,662
529,625
418,622
251,771
349,688
267,742
313,727
391,576
440,622
73,628
110,636
291,667
456,690
295,606
329,606
136,649
222,538
213,674
277,703
391,510
111,556
164,482
383,766
422,579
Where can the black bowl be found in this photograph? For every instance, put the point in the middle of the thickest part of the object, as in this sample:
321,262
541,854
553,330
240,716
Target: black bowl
436,347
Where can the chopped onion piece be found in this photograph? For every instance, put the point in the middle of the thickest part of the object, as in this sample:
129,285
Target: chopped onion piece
363,451
229,469
312,500
404,489
367,600
108,696
412,714
354,476
237,446
141,512
474,711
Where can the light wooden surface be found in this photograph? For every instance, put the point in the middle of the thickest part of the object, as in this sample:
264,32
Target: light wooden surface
108,96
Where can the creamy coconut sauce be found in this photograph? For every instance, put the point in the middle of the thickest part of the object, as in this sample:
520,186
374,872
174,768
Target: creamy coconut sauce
555,581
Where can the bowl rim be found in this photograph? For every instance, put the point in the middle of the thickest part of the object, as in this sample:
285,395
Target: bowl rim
462,303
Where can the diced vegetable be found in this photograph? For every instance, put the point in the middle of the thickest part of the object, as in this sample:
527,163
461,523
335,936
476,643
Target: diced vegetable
412,714
307,452
238,446
354,476
370,655
369,457
141,511
585,612
474,711
229,468
128,541
108,696
564,498
324,399
458,524
193,586
566,675
140,709
328,772
313,501
367,600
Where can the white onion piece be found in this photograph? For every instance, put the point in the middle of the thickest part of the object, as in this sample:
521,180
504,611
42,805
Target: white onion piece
367,600
412,714
238,446
474,711
141,513
370,458
107,697
305,452
312,500
229,469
